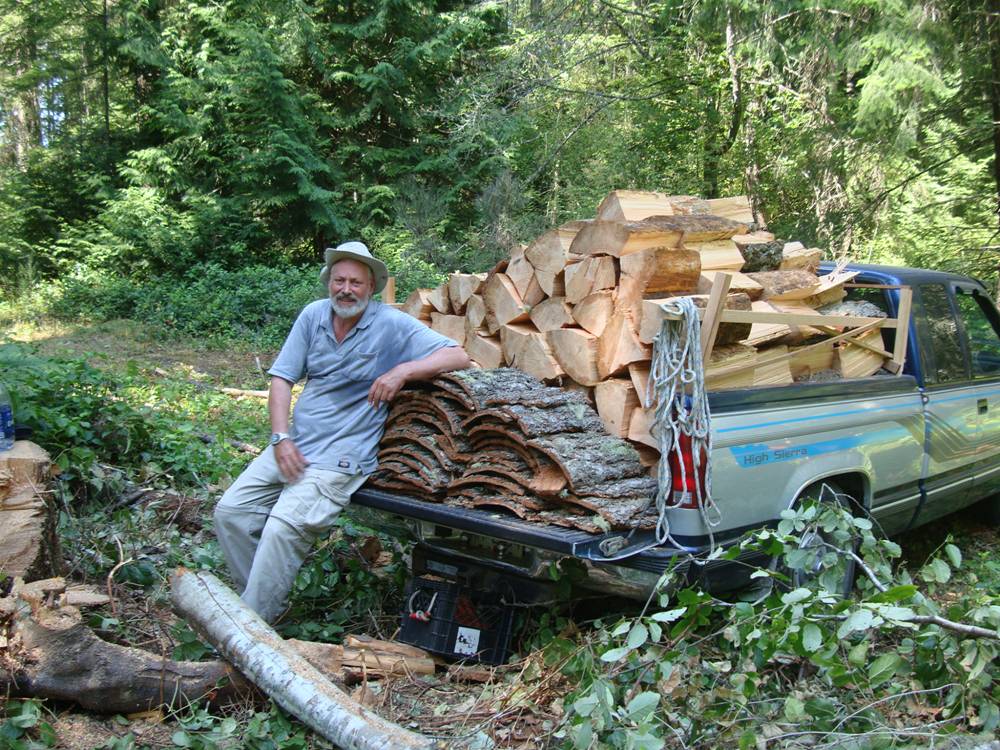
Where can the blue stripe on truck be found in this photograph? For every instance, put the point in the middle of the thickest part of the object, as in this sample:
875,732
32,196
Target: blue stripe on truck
816,418
758,454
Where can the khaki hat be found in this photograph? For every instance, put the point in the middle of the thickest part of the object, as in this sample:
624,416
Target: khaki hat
359,252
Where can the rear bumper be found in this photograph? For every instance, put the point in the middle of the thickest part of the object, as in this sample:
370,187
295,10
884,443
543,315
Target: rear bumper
518,548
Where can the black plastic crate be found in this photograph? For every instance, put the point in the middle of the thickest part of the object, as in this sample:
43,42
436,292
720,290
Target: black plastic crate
446,618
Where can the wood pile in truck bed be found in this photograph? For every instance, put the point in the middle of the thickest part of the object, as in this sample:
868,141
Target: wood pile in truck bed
581,305
499,438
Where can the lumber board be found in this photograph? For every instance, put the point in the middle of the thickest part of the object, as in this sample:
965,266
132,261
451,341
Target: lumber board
712,318
729,331
902,331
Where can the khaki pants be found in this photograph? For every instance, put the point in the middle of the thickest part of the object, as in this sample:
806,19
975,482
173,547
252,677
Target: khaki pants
267,527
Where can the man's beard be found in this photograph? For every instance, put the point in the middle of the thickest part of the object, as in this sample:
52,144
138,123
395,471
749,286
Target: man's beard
348,305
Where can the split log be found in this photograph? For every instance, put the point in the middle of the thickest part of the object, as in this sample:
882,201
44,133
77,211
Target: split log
640,429
551,314
721,372
656,271
363,655
638,373
576,352
503,303
633,205
553,283
475,312
736,207
862,356
588,276
770,369
765,333
652,318
512,338
535,357
619,346
57,656
461,286
787,285
440,299
452,326
702,228
521,273
418,304
831,289
763,256
794,255
688,205
717,255
29,545
739,283
616,400
594,311
621,238
484,350
750,238
249,643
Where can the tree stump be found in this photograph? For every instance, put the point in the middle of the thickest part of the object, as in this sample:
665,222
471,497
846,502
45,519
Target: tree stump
29,547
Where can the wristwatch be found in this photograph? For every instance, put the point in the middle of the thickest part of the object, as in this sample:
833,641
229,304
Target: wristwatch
277,437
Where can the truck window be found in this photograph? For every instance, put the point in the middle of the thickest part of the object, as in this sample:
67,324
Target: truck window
943,359
979,318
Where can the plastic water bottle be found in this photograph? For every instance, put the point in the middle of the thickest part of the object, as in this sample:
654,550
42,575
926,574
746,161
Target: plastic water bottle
6,420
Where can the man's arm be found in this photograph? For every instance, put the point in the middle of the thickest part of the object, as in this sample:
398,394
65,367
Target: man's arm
386,386
290,460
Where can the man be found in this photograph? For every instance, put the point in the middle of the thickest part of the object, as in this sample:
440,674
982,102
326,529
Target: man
356,354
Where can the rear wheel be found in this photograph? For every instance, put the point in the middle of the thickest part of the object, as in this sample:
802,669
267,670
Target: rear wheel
823,558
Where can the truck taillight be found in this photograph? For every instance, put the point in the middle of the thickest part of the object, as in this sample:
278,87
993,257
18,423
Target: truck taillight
687,482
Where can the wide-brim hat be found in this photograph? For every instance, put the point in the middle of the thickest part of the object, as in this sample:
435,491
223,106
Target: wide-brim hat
359,252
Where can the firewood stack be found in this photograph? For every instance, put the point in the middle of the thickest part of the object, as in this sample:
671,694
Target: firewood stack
581,305
499,438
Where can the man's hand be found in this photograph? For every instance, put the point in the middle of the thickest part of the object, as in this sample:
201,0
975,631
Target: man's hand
290,460
387,385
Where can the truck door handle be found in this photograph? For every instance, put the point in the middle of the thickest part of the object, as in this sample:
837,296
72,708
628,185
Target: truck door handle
982,406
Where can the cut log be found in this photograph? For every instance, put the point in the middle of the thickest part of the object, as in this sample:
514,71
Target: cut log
475,312
736,207
363,654
535,358
512,338
721,372
617,238
786,286
751,238
461,286
763,256
551,314
658,272
549,252
688,205
806,361
640,428
773,368
503,303
862,356
418,304
588,276
795,256
619,346
594,311
616,400
553,283
439,299
67,661
740,284
576,352
638,373
219,615
652,318
717,255
452,326
633,205
484,350
520,272
762,334
702,228
29,545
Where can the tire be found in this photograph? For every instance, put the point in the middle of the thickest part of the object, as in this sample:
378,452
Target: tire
991,509
818,540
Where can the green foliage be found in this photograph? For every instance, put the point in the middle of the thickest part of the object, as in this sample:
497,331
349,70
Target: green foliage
793,663
90,420
24,727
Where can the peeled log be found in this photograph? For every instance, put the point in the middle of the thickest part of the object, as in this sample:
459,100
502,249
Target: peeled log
249,643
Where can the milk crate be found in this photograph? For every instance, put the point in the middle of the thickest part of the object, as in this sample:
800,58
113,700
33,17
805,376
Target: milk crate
448,619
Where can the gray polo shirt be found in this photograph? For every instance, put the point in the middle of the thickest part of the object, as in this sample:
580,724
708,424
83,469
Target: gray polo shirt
332,423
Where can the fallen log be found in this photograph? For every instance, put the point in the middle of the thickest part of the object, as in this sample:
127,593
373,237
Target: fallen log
218,614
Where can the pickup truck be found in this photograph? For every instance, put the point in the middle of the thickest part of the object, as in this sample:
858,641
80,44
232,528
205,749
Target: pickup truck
908,448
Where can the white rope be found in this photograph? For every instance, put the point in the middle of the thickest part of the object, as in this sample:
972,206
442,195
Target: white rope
677,387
